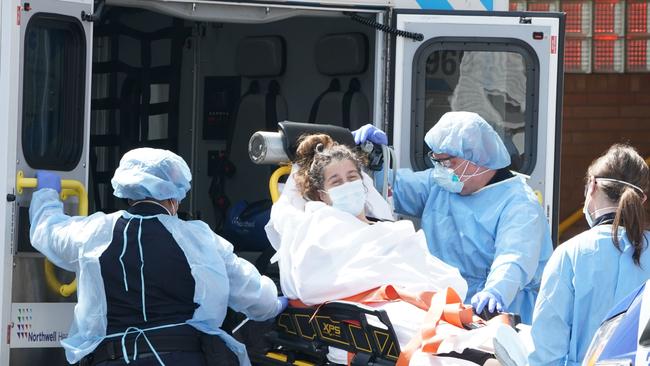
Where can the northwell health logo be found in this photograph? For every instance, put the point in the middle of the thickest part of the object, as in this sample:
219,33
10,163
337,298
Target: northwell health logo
24,322
25,332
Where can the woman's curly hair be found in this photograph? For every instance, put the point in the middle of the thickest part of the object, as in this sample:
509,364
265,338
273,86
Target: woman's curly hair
313,154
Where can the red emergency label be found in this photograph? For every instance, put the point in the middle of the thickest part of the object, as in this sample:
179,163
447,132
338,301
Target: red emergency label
553,45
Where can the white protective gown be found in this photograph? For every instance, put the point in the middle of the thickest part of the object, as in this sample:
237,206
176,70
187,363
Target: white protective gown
222,279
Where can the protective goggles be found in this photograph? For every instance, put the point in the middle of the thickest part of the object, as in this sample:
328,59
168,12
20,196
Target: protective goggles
445,162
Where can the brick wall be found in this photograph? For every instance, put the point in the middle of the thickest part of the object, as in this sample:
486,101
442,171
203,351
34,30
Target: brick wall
599,110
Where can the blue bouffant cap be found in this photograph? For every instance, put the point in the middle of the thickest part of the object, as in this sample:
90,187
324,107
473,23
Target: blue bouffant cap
468,136
151,173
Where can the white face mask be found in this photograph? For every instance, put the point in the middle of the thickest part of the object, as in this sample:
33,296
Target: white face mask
585,209
349,197
446,178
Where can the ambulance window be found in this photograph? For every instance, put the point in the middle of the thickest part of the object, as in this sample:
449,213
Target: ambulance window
496,79
53,92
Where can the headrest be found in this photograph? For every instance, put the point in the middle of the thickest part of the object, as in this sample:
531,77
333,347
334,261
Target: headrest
260,56
342,54
292,131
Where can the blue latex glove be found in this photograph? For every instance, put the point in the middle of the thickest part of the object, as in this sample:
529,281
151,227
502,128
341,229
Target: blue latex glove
487,297
282,304
48,180
370,133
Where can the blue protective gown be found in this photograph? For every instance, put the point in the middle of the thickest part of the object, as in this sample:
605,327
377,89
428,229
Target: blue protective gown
498,237
221,278
583,280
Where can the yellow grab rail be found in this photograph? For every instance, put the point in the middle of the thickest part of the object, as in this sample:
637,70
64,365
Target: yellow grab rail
275,178
569,221
69,187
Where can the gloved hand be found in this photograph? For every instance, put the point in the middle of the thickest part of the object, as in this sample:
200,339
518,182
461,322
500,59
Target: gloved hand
282,304
48,180
370,133
487,297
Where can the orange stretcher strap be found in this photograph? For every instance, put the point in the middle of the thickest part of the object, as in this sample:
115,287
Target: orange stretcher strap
444,306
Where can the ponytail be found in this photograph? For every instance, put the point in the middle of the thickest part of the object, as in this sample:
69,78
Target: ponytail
632,216
308,147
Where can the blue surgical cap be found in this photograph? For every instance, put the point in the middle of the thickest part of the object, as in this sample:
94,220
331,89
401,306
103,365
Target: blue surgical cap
468,136
151,173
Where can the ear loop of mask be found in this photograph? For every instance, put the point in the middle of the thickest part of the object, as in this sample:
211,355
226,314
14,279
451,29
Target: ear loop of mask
463,178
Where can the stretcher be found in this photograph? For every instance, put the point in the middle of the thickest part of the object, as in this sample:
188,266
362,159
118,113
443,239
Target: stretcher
301,336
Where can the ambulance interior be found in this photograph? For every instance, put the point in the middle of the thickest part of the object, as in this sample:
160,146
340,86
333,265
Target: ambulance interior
202,88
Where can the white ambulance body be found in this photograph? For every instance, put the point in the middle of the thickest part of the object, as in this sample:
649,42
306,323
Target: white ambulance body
81,82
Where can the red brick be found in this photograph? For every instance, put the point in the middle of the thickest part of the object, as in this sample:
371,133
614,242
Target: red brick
575,99
596,83
583,152
639,98
580,83
617,124
640,83
603,99
569,125
635,85
620,82
635,111
595,111
569,83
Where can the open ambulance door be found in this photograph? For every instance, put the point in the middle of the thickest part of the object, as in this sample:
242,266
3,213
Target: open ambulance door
52,134
505,66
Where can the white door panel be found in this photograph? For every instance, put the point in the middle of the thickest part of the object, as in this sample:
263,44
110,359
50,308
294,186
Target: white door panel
504,66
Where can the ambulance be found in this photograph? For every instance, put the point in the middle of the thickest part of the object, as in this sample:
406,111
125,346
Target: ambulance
83,81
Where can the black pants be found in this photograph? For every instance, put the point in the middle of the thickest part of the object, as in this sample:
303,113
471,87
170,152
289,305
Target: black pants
182,345
169,358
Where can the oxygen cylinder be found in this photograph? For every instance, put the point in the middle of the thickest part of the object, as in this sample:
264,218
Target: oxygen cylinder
266,148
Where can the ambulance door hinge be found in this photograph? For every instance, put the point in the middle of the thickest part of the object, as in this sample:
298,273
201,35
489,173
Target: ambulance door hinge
94,17
525,20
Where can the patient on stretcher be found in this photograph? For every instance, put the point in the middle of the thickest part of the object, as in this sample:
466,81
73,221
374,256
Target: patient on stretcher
330,246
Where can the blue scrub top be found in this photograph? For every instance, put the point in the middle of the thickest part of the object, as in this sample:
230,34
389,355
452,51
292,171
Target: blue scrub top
583,280
497,237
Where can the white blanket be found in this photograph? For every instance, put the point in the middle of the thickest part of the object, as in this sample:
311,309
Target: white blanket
326,254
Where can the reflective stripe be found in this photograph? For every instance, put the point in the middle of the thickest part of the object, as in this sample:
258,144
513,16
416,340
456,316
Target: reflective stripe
126,286
130,217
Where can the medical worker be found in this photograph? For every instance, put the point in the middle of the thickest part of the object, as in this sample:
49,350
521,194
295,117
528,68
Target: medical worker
593,271
477,215
152,288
